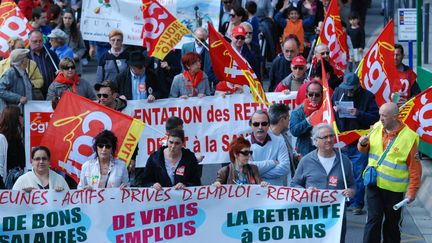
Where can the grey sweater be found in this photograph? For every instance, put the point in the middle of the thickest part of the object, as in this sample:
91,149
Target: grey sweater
310,173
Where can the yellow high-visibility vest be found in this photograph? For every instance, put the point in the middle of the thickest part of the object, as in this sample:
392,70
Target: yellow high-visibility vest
393,172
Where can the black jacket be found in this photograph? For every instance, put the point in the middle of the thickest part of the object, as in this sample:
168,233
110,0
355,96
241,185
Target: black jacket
365,103
187,172
124,83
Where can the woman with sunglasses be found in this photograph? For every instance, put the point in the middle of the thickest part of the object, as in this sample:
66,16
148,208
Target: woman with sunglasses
104,171
68,79
239,171
40,177
237,16
171,166
296,78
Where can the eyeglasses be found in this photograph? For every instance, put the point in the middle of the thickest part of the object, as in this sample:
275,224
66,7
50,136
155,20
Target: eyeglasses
246,152
288,51
298,67
240,37
312,94
41,158
257,124
68,67
101,146
102,95
331,136
325,53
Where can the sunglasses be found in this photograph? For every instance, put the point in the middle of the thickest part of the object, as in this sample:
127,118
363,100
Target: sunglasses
68,67
41,158
257,124
232,15
101,146
331,136
316,95
246,152
325,53
240,38
298,67
102,95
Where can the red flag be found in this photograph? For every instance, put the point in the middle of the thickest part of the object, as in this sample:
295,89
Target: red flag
335,38
72,128
377,70
12,24
348,137
229,66
161,30
417,114
325,113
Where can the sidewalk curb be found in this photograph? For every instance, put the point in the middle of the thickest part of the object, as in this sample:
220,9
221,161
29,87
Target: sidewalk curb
421,210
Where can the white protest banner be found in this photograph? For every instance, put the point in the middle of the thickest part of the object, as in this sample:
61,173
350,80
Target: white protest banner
210,123
229,214
98,18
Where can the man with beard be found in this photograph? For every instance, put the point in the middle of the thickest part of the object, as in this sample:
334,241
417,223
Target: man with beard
281,65
270,153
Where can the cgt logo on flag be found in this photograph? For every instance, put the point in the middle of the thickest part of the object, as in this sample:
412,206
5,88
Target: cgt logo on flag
417,114
377,71
71,131
12,24
161,31
333,36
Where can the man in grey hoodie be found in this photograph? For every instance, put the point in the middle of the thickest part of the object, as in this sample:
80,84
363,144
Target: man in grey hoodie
321,169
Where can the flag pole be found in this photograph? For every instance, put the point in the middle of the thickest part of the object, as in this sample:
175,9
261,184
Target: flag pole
329,106
203,44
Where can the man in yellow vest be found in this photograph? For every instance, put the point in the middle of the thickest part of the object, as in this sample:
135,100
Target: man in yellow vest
393,149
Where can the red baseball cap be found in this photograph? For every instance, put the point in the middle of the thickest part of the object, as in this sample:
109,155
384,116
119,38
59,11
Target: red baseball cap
238,31
298,61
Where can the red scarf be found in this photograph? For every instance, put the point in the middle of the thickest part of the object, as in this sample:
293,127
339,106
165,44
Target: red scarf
194,80
309,108
63,80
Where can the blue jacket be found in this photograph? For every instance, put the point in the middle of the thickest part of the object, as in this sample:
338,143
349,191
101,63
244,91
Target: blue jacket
63,51
301,128
279,69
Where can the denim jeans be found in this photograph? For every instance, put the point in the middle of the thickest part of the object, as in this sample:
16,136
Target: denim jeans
359,163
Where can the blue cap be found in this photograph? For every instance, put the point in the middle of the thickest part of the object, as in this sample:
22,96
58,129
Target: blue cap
350,81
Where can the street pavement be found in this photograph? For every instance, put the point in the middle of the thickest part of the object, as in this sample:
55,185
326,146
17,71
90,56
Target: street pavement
417,223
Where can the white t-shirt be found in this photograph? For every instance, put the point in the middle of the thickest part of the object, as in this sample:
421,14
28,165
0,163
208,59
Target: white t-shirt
327,163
